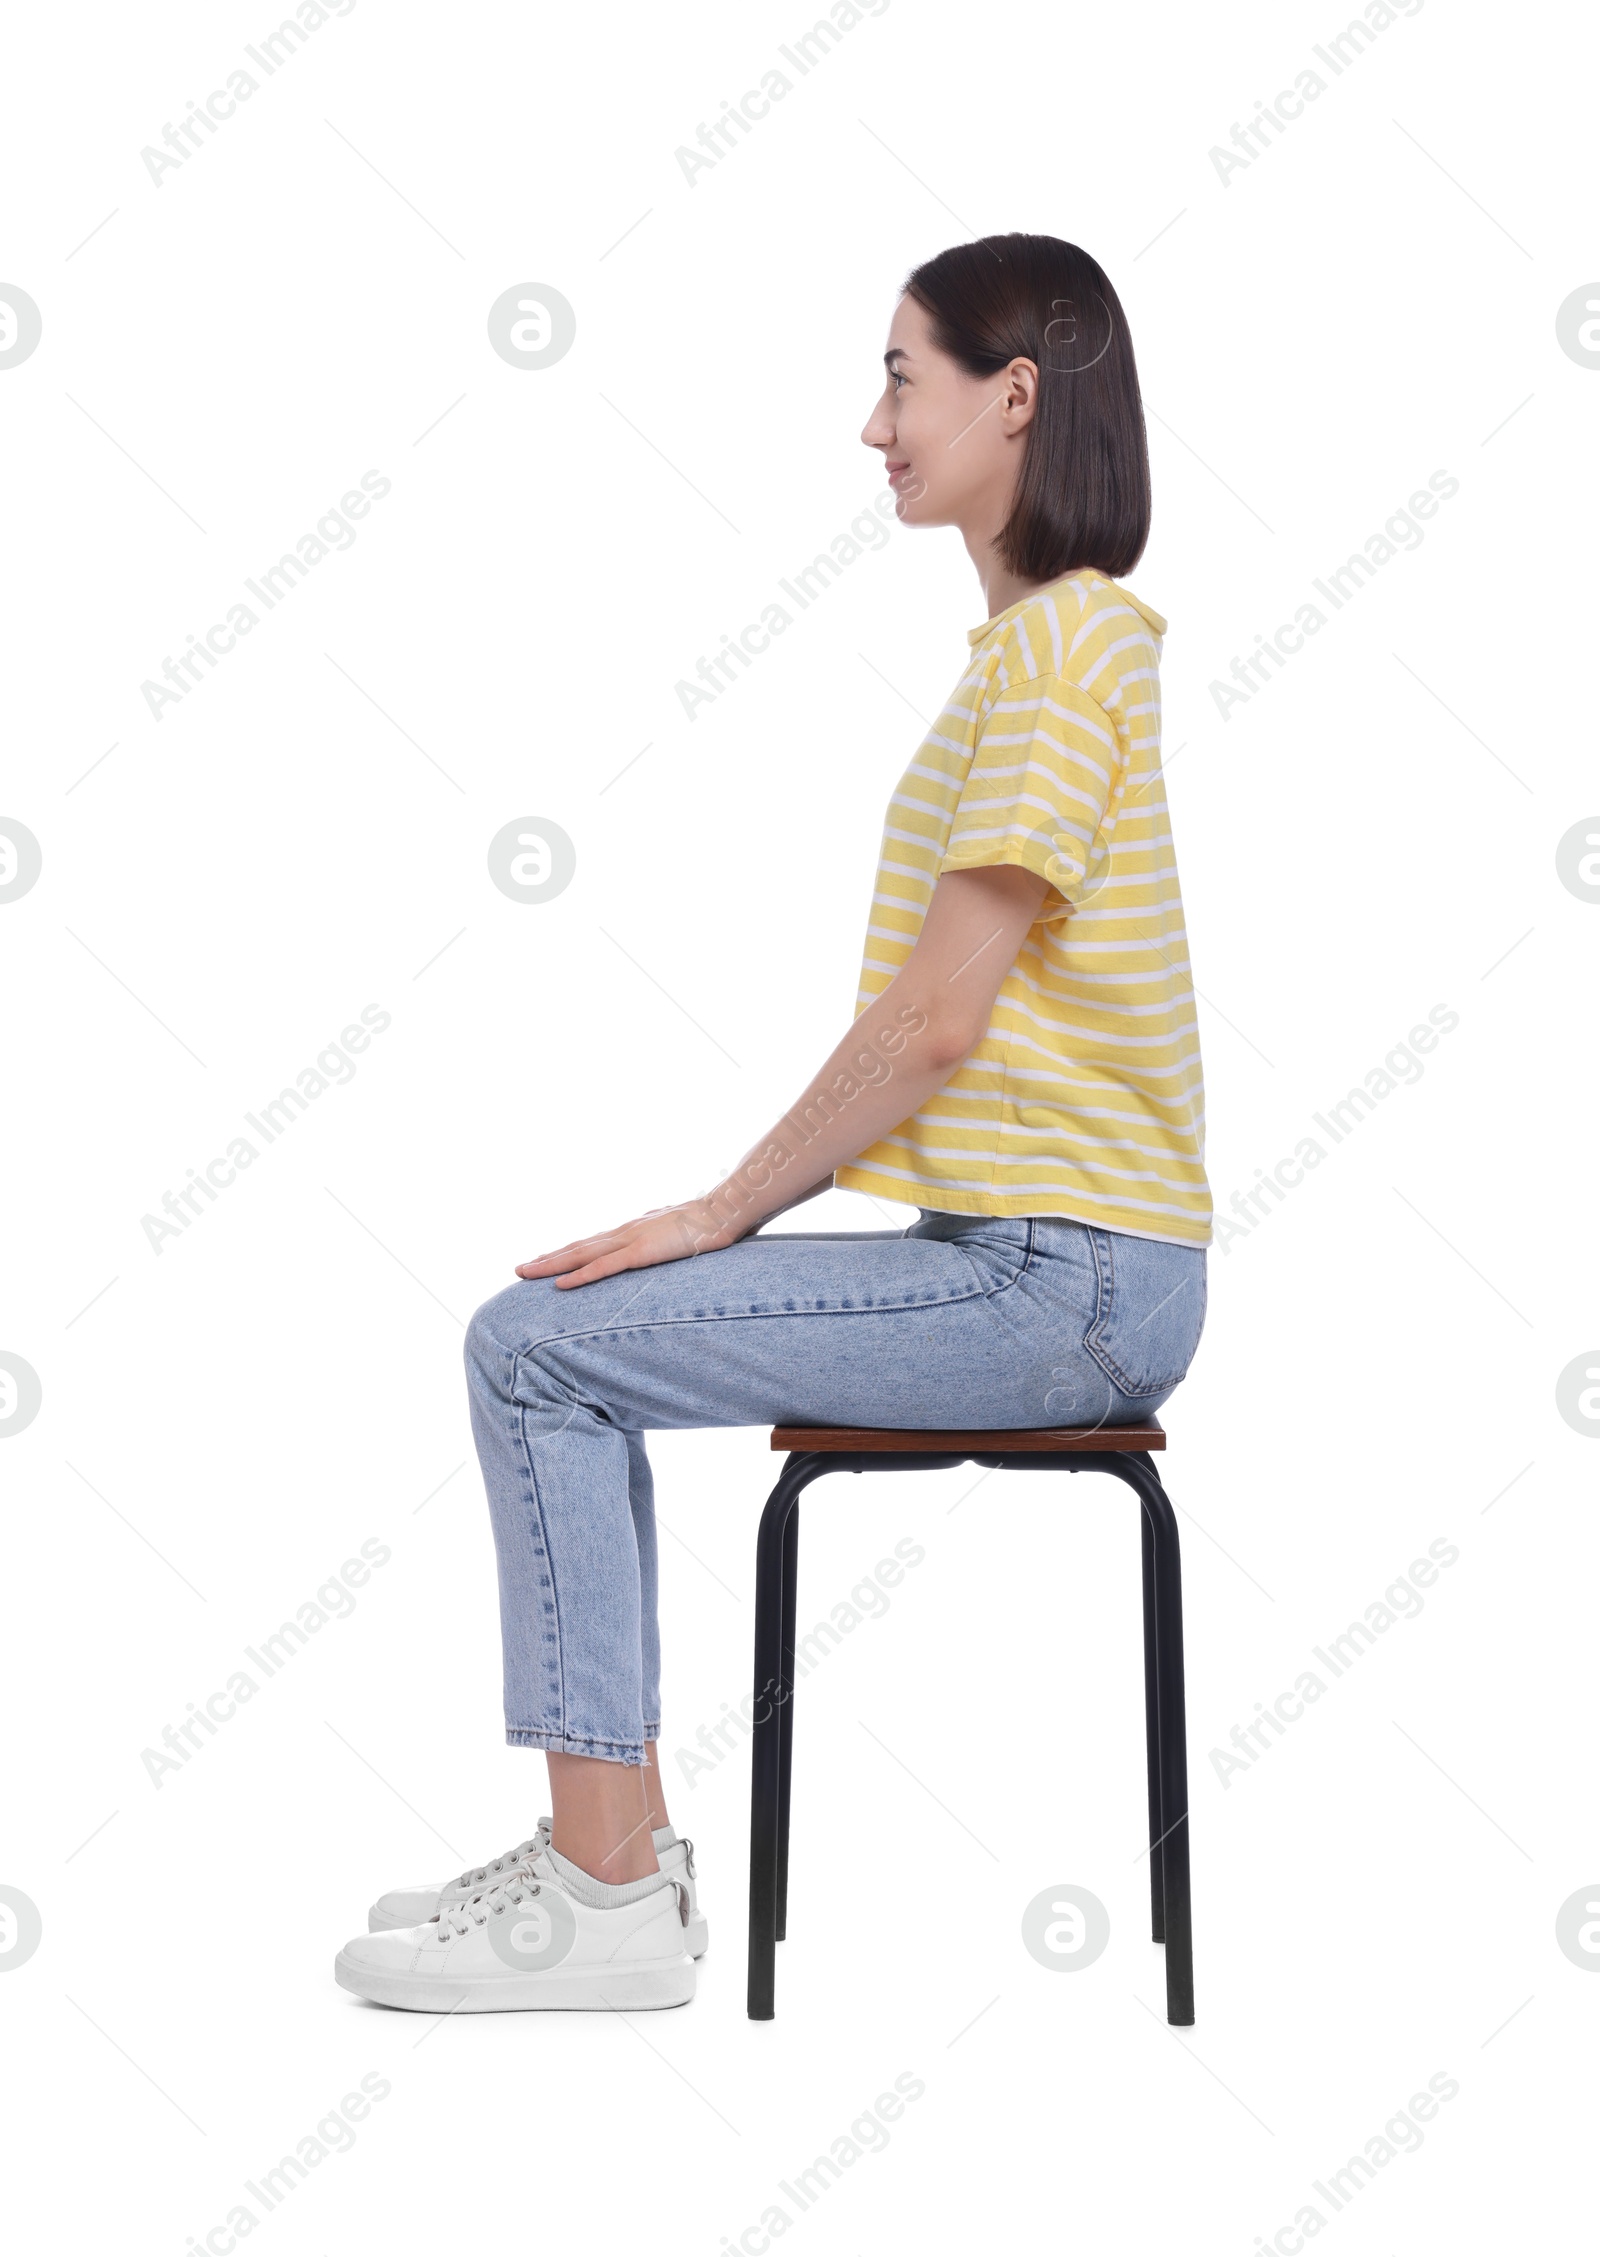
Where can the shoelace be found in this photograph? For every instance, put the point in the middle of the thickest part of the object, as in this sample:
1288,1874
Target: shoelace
474,1911
479,1876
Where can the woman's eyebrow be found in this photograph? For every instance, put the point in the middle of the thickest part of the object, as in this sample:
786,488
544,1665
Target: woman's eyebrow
896,352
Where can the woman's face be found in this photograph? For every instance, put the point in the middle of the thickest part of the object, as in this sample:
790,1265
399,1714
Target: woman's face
952,443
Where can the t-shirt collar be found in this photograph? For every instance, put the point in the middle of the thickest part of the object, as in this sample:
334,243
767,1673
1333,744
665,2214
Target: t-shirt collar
1152,619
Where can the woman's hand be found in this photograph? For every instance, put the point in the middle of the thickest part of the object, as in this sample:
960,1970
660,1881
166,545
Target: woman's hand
664,1234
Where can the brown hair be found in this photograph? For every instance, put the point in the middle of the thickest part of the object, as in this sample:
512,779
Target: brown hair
1083,495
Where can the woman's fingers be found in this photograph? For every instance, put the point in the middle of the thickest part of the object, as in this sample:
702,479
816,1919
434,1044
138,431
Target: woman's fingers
666,1234
597,1270
635,1249
576,1250
632,1253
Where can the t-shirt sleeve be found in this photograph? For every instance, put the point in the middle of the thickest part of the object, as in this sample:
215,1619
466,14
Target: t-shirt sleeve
1044,779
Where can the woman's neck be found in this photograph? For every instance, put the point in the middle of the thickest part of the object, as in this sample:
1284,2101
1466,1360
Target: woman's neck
1001,589
1001,586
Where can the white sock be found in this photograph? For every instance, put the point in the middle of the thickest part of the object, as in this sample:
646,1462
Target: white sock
663,1838
602,1894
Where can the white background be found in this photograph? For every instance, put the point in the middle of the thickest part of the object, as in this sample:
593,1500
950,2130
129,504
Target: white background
1372,300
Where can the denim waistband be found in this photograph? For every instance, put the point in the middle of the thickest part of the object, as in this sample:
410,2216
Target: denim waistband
938,1222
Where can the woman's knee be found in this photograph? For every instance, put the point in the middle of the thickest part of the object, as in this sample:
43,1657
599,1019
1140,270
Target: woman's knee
503,1328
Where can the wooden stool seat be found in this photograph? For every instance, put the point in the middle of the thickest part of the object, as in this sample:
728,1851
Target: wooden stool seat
915,1438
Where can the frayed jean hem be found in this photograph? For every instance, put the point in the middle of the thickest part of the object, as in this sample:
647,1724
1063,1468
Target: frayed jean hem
563,1743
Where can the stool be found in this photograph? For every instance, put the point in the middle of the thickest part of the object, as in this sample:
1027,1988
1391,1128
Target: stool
1122,1450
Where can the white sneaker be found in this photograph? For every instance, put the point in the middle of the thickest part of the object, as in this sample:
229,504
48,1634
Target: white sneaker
405,1908
527,1942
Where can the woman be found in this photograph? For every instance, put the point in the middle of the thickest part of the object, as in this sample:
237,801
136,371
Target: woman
1023,1069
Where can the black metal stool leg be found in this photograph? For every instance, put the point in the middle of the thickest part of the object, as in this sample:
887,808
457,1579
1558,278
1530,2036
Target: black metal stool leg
1162,1523
1152,1727
772,1726
791,1561
1168,1796
772,1675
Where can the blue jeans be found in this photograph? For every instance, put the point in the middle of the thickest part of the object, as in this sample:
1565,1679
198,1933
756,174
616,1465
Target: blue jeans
958,1321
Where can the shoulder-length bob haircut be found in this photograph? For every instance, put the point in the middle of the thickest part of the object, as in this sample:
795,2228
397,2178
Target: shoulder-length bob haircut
1083,495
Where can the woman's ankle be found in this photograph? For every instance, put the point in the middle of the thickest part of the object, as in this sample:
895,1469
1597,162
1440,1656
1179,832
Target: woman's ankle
602,1856
601,1819
603,1849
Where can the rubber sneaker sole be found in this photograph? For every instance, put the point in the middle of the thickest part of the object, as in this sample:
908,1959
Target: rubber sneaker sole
696,1934
627,1989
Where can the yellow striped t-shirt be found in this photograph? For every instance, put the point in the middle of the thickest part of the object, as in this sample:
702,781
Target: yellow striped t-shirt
1084,1097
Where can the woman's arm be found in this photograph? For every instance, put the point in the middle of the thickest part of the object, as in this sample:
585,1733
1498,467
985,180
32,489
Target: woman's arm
906,1044
799,1198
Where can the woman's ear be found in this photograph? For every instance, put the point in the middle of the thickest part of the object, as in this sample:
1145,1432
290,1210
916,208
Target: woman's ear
1021,395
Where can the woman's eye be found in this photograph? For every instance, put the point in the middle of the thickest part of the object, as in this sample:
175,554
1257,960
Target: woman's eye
896,379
